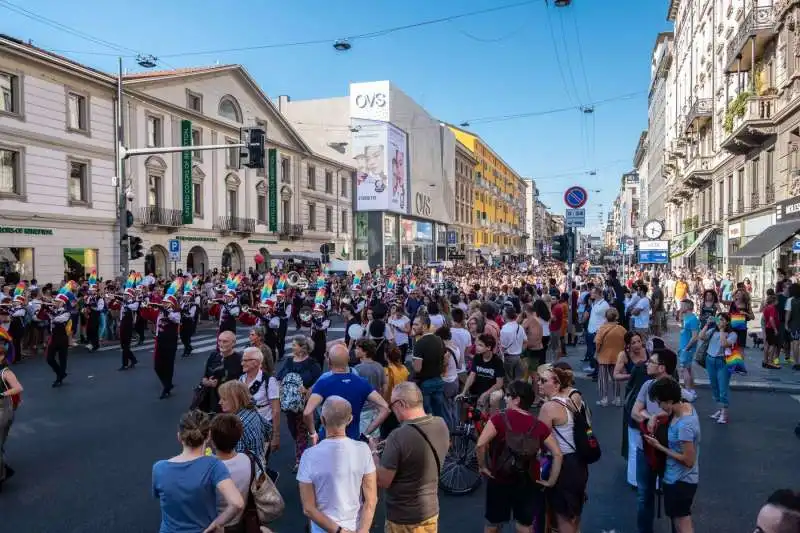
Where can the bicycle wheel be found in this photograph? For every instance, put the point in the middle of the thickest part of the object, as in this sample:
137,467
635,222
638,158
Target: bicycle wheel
460,473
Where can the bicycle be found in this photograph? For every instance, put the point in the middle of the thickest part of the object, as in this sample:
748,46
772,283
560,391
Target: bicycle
460,474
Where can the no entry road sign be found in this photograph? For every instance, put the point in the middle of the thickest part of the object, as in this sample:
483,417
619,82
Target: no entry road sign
575,197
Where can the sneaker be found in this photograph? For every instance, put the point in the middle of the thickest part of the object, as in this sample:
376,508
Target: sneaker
716,415
588,369
602,403
690,395
723,419
617,403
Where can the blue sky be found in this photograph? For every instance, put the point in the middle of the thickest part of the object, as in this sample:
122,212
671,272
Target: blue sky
508,62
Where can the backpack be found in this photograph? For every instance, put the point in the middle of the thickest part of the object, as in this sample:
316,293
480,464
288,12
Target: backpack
656,459
291,398
586,446
513,462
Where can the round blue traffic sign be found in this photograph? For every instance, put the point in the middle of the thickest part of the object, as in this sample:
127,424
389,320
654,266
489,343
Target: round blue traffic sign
575,197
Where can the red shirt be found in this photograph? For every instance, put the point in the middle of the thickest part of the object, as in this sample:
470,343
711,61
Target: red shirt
520,423
770,314
556,318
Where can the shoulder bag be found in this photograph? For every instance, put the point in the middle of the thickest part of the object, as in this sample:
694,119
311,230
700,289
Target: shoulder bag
264,503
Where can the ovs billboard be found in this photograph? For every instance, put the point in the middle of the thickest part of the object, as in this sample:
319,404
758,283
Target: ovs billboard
370,101
381,155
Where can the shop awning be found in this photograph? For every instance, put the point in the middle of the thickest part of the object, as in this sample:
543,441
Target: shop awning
697,242
763,243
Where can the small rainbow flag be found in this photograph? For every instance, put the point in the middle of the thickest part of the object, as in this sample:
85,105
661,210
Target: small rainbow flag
175,288
398,271
266,289
320,282
5,338
92,281
391,283
19,290
413,283
357,277
738,321
319,298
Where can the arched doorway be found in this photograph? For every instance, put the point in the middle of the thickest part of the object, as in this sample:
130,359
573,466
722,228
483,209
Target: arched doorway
158,262
233,257
197,261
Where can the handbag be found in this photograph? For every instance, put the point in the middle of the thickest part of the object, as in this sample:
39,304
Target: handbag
264,503
700,353
201,399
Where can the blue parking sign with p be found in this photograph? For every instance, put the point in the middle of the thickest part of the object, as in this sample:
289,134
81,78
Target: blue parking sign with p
174,246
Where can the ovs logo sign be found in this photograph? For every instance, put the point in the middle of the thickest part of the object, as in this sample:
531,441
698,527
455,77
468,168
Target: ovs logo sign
422,204
370,101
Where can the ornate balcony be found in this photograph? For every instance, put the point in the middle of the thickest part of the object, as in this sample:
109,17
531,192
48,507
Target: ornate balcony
758,25
740,206
288,231
699,113
748,127
236,225
697,173
781,8
160,217
769,194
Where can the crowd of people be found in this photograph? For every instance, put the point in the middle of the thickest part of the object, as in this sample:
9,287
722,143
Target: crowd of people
379,408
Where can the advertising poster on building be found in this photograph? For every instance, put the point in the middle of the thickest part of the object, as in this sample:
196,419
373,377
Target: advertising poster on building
379,150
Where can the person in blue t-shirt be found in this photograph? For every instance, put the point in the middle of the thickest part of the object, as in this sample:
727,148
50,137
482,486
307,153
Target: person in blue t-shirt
353,388
690,328
187,484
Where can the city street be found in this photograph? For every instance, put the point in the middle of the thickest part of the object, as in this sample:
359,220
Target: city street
84,452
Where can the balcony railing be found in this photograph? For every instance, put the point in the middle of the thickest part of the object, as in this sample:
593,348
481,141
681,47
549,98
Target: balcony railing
290,231
750,127
236,224
754,200
740,206
758,24
699,113
769,194
160,216
730,208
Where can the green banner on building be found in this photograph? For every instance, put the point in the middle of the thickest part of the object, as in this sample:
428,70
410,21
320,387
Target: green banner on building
186,172
272,197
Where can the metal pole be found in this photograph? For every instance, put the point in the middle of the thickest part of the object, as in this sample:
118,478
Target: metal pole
122,200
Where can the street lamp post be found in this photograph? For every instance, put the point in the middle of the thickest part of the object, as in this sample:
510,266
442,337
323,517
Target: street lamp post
122,196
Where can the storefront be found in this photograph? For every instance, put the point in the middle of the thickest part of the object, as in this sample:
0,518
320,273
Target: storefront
766,244
56,251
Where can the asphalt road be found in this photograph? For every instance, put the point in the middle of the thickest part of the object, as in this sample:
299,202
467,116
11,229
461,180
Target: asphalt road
84,452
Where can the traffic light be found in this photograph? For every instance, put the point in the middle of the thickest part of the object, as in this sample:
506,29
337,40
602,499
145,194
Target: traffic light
253,154
136,247
560,248
128,219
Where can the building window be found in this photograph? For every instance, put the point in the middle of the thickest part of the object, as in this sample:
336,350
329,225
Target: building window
153,191
328,218
77,112
16,262
261,202
197,196
79,262
10,172
194,101
155,133
286,211
286,176
229,108
10,94
311,178
343,228
197,140
343,186
233,203
328,182
312,216
232,155
79,182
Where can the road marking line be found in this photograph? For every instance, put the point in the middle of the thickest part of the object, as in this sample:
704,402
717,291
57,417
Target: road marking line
796,397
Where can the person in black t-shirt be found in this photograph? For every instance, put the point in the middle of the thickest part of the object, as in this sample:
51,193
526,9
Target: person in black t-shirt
487,372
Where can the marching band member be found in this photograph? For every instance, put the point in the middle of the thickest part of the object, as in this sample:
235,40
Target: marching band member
94,306
140,324
16,327
358,301
166,346
319,326
189,310
58,345
230,308
128,313
267,318
283,310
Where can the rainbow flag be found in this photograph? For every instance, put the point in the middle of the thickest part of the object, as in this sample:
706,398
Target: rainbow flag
738,321
357,277
19,290
92,278
734,361
176,287
413,283
5,338
319,298
266,290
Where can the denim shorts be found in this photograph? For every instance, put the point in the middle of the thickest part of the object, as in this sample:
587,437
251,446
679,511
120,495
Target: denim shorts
686,357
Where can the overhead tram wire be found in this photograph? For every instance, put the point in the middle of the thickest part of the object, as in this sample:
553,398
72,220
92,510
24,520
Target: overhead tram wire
580,108
549,22
566,56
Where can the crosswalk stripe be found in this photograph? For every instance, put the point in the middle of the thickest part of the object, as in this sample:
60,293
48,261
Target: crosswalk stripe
796,397
201,342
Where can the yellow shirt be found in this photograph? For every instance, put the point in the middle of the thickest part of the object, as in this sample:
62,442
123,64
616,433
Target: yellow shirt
681,288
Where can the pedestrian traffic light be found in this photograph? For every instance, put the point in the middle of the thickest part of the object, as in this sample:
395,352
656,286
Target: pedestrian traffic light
136,247
128,219
560,248
253,153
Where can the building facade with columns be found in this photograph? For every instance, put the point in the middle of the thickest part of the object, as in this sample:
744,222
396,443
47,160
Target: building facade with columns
463,213
285,211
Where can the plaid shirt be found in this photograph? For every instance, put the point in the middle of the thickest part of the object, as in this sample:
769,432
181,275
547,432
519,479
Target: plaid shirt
257,432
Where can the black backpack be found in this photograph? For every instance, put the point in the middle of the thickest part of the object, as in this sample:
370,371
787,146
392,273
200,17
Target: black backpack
513,462
587,447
